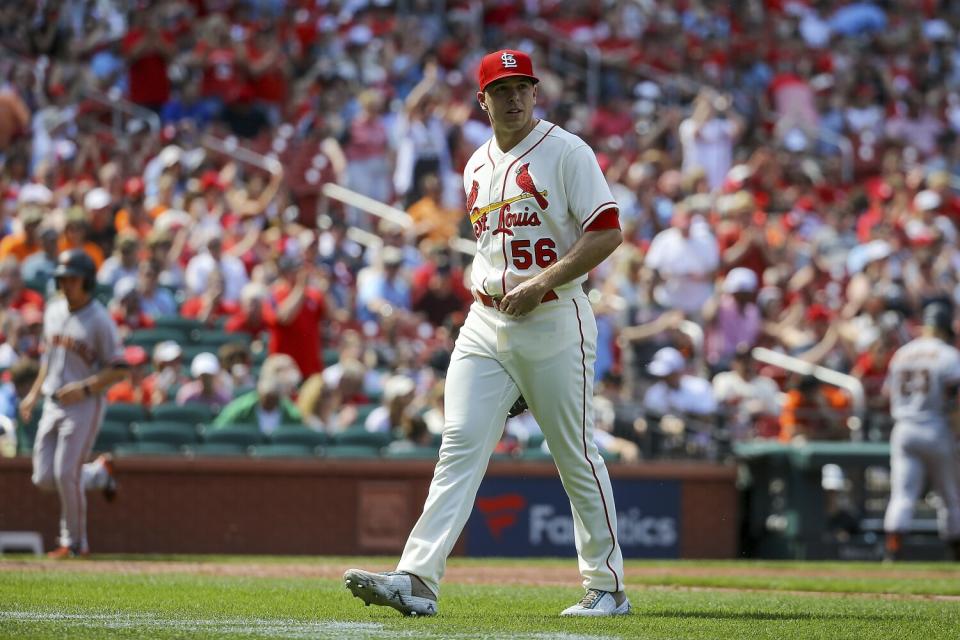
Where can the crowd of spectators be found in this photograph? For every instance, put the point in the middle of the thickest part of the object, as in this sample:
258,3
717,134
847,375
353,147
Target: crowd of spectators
785,171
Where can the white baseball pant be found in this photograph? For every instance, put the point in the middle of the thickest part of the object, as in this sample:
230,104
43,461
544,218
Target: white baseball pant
914,452
547,356
65,437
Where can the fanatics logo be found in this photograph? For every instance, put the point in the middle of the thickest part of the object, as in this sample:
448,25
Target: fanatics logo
500,512
509,62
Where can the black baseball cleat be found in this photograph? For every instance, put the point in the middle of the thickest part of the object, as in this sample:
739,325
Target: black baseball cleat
402,591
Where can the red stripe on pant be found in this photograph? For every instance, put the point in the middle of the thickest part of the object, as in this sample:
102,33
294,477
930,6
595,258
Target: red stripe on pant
593,470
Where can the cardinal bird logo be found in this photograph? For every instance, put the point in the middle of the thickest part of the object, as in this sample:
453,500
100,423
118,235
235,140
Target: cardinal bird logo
525,182
472,198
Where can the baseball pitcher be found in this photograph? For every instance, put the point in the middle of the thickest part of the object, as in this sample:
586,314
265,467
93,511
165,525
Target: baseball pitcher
543,217
923,382
82,358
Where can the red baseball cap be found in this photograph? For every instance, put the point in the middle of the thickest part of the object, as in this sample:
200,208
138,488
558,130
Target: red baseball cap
134,186
503,64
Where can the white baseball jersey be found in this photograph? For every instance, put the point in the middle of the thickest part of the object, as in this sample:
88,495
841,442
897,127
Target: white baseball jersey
77,344
529,206
919,374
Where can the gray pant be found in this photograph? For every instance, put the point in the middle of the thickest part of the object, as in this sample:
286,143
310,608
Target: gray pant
64,440
915,451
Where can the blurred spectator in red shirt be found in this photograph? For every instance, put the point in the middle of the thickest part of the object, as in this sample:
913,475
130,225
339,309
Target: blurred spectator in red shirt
293,314
18,294
249,316
147,50
209,306
126,310
269,69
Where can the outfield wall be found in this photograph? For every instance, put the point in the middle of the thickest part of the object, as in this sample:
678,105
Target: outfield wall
183,505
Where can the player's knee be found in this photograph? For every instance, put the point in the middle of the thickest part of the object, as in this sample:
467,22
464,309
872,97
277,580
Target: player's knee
64,480
44,481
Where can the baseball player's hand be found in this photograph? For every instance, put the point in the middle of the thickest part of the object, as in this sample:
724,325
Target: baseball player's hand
71,392
522,300
518,407
27,405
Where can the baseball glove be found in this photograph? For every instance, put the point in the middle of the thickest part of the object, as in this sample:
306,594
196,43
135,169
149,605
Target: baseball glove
518,407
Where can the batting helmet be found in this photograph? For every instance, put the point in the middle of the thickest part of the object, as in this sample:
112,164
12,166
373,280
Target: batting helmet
76,262
939,315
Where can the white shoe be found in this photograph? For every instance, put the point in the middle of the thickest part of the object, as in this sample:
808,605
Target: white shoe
600,603
391,589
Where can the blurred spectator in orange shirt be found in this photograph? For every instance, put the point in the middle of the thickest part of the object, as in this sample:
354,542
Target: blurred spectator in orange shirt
814,411
26,242
431,220
75,235
134,215
138,387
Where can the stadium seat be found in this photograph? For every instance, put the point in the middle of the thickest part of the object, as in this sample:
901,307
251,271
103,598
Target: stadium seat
38,284
242,434
283,451
103,293
411,453
148,338
331,355
363,412
536,455
609,456
215,450
111,434
299,435
190,352
126,412
177,434
145,449
351,451
178,323
535,441
194,413
26,434
357,435
213,339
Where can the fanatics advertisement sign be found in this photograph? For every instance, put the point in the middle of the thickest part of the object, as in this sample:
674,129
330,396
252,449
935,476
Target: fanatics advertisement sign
531,517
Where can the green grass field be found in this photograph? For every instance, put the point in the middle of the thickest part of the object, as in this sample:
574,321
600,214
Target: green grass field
128,598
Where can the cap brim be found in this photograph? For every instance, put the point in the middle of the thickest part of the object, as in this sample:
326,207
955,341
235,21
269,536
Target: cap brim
510,75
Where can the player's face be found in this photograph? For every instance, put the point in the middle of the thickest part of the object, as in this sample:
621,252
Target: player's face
510,102
72,287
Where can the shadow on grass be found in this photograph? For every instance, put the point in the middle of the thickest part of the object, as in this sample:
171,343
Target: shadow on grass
759,615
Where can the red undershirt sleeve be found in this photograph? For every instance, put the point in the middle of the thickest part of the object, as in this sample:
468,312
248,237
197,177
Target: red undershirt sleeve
607,219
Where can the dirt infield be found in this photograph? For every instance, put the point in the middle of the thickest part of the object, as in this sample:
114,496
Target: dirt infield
500,574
